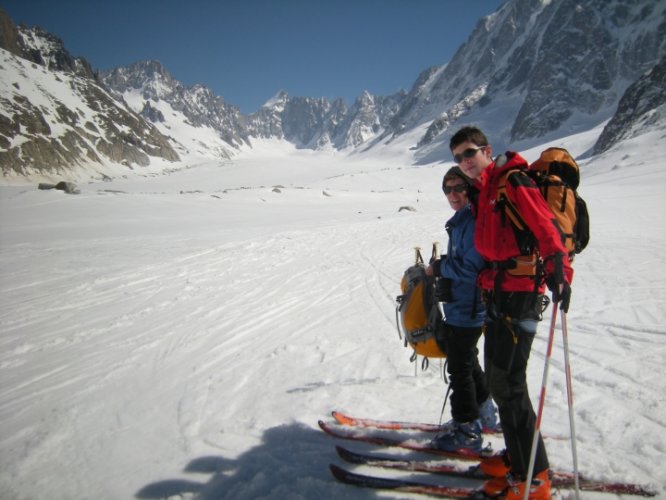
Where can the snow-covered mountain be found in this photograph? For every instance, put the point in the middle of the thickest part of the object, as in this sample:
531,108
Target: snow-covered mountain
151,91
307,122
524,74
319,124
537,70
642,108
55,116
533,71
304,121
368,117
39,46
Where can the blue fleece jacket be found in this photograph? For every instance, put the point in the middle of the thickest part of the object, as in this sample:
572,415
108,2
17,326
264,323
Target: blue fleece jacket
462,265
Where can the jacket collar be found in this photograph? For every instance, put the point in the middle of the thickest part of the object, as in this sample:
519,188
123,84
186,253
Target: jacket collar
503,163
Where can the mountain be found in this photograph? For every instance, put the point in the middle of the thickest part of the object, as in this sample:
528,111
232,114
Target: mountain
304,121
642,108
266,123
318,123
307,122
40,47
151,91
368,117
532,72
56,117
535,70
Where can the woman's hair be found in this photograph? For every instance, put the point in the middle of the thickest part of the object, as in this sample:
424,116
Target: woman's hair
456,172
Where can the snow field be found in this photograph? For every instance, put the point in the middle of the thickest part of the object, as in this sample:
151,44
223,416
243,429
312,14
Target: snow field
180,336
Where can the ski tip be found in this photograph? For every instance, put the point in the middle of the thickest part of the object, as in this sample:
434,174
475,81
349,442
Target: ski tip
345,454
338,472
326,428
342,418
337,416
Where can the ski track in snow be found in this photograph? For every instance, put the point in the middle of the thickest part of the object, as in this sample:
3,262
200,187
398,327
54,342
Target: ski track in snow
164,345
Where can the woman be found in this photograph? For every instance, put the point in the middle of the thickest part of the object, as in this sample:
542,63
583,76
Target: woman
471,407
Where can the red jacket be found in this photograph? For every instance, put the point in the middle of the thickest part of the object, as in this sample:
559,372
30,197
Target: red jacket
494,237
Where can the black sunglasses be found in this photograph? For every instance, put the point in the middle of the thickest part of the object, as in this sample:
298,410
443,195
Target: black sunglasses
468,153
458,188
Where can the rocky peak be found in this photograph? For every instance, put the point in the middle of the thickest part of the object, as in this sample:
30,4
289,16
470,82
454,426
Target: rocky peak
78,124
535,69
149,76
642,106
367,119
278,101
41,47
9,34
199,104
586,59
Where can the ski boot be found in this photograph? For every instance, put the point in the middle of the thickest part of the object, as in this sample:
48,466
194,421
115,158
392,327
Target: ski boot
461,437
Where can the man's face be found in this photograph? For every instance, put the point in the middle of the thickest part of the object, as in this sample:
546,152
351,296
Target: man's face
472,159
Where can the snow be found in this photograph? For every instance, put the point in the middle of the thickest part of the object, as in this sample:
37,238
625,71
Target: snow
181,335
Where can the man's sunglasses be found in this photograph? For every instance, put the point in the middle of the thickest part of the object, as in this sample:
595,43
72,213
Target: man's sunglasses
468,153
458,188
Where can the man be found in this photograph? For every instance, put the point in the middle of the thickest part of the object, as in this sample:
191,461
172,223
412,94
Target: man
471,407
518,264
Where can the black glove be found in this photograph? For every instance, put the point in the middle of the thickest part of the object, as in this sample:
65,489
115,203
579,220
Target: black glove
436,265
563,297
555,281
443,290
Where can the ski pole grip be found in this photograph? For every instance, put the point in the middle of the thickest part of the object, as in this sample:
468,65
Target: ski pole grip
435,251
417,256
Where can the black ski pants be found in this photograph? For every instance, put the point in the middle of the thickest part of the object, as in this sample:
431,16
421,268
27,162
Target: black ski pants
511,327
469,387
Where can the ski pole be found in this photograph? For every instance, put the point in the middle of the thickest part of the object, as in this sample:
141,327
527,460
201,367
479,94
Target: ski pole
542,399
572,426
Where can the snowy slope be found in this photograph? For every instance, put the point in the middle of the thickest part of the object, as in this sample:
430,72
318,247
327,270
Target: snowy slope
58,124
181,335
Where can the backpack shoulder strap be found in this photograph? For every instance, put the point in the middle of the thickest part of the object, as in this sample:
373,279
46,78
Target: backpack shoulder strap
505,204
524,237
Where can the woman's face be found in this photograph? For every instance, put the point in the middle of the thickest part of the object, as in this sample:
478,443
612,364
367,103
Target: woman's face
456,193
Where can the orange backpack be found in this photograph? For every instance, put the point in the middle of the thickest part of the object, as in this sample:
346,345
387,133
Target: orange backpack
557,176
418,314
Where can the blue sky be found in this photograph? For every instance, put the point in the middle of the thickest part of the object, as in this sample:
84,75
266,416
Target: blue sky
248,50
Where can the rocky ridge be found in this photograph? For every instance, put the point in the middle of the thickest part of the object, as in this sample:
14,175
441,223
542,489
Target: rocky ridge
642,107
55,116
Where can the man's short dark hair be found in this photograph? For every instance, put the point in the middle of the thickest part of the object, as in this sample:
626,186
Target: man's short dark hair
468,134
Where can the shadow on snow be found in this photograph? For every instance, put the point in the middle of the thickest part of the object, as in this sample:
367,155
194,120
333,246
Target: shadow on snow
291,462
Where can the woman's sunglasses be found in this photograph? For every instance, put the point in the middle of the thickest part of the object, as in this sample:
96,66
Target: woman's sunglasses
458,188
468,153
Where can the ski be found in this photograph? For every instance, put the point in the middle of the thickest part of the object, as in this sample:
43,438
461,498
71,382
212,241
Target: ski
564,480
430,466
402,485
398,425
413,444
393,425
